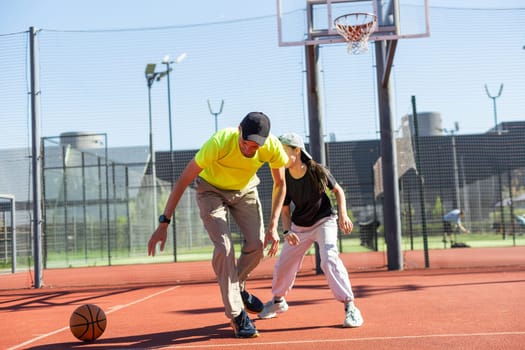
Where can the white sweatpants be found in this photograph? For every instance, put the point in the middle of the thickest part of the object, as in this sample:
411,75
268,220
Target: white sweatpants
324,232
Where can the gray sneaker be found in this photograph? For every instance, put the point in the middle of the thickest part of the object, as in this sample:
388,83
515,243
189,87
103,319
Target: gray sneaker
353,317
271,309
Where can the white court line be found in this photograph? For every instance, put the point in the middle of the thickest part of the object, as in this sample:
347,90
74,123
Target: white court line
321,341
113,309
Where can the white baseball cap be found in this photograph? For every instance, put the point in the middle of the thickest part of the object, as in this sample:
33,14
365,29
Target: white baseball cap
294,140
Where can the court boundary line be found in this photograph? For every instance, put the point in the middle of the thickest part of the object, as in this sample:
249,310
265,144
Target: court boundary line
402,337
111,310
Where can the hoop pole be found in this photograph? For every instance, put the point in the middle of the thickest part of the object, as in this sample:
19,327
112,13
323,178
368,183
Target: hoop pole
36,160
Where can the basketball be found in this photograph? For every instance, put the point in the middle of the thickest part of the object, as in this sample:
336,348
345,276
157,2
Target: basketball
87,322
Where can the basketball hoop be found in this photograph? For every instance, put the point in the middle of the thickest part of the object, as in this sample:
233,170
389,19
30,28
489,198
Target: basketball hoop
356,29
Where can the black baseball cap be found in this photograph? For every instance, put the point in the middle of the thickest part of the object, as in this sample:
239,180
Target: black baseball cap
255,127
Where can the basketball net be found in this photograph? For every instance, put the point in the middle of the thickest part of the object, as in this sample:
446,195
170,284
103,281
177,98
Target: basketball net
356,28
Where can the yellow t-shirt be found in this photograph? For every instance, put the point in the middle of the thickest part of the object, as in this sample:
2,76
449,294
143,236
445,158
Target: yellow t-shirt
225,167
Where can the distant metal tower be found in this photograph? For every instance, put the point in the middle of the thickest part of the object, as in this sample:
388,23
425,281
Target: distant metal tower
216,114
496,129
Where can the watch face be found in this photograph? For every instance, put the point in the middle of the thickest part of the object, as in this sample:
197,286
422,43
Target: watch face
163,219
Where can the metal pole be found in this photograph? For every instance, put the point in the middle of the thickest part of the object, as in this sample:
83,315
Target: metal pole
65,151
496,128
456,174
128,216
153,160
12,202
315,124
84,206
502,209
511,205
169,118
167,62
36,159
392,215
108,225
13,234
173,221
421,182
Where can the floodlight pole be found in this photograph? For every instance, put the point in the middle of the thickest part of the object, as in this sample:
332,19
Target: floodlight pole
151,76
216,114
168,62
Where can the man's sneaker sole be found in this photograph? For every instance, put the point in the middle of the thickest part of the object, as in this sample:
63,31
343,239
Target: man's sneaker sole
252,304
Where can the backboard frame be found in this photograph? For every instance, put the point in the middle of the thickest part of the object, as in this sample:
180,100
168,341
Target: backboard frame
388,26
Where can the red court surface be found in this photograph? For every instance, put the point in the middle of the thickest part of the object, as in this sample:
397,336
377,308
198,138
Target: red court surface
468,299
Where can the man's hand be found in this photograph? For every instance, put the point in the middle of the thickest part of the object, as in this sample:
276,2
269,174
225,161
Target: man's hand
160,235
272,236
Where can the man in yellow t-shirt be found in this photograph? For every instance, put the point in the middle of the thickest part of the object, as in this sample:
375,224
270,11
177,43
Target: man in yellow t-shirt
224,170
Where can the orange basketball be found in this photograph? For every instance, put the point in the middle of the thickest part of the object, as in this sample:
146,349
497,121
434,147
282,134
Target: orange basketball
87,322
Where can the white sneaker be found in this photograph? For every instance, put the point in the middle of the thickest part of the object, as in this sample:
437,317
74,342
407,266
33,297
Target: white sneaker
353,317
271,309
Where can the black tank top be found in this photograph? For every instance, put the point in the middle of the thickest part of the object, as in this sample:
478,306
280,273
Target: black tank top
310,205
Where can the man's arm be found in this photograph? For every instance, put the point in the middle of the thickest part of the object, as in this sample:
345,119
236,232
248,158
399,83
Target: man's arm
161,233
462,228
278,194
188,175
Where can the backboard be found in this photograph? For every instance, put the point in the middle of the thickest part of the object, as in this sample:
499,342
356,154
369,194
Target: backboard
311,22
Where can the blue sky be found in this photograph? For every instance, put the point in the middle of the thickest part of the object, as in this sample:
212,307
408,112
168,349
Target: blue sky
18,15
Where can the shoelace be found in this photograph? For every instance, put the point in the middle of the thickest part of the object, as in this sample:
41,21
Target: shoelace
244,320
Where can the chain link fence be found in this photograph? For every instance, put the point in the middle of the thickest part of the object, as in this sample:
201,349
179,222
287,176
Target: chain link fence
101,198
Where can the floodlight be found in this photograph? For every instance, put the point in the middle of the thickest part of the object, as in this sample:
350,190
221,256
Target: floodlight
181,57
150,69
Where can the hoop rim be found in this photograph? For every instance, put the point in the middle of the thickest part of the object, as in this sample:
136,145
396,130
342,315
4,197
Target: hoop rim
373,18
356,34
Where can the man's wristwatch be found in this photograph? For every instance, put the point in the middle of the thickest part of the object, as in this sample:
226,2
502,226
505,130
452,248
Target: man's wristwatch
164,219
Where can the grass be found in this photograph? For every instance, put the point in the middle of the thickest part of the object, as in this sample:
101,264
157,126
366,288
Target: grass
474,240
349,244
